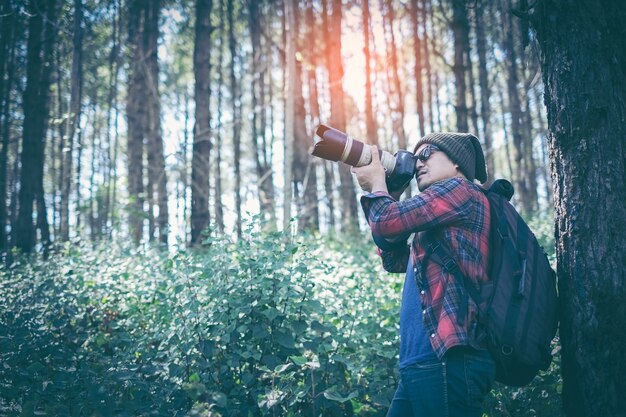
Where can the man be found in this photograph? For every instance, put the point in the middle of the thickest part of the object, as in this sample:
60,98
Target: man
444,369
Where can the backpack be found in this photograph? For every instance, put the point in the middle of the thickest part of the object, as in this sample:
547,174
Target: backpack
517,307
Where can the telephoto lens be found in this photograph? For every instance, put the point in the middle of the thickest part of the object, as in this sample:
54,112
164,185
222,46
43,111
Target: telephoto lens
334,145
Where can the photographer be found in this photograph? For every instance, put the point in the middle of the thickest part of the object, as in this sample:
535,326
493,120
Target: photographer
444,369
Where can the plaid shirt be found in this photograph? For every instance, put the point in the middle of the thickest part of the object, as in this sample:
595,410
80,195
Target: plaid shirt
455,211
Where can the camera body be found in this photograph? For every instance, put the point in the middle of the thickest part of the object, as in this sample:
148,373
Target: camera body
334,145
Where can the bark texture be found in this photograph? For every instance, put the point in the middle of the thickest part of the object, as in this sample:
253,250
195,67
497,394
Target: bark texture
338,115
201,158
460,29
156,160
73,120
235,95
583,57
137,119
41,39
370,120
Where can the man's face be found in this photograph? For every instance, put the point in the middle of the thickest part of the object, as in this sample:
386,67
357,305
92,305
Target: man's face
433,165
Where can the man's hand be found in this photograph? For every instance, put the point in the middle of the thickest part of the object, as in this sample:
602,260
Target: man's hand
371,177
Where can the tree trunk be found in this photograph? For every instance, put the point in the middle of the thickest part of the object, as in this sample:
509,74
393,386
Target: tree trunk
397,113
506,135
13,180
338,117
73,120
530,166
201,159
583,57
185,168
473,113
157,177
136,114
41,39
485,91
545,166
235,95
460,29
515,109
417,51
114,66
293,133
301,160
262,159
79,159
94,230
531,73
8,25
370,120
219,206
55,163
311,220
426,17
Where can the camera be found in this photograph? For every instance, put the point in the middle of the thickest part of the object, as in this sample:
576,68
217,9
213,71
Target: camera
334,145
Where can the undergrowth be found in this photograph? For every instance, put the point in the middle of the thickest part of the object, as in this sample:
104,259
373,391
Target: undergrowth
268,325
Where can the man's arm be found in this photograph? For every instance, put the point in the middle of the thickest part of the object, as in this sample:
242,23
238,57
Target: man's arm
444,203
395,259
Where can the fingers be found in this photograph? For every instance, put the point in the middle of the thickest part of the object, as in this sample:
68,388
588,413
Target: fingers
375,156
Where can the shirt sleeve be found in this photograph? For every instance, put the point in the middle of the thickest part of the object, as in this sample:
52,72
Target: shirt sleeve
444,203
395,260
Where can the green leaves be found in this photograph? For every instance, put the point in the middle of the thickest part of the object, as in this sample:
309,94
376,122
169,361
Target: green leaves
263,326
334,396
285,339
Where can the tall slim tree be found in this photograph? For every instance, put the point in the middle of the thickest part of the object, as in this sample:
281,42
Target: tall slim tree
157,177
485,90
143,111
332,41
471,82
427,29
304,178
219,205
112,119
262,153
93,213
235,96
137,118
460,30
417,51
583,58
42,29
8,24
370,120
515,108
291,131
312,218
545,165
73,120
201,159
397,110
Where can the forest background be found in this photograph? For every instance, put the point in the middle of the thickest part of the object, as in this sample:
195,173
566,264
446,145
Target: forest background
170,247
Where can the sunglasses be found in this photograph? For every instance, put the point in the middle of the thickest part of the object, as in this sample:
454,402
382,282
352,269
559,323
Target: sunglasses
425,153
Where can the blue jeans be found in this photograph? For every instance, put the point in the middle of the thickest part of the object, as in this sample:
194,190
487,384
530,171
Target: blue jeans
453,387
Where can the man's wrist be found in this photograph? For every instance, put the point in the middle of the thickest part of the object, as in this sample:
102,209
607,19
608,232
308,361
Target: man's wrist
379,186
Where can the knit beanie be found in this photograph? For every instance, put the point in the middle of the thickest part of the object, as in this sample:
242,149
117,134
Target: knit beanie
463,149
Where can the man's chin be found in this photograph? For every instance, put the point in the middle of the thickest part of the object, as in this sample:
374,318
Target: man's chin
422,184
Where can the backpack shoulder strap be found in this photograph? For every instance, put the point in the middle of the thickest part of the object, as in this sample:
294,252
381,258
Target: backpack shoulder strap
442,255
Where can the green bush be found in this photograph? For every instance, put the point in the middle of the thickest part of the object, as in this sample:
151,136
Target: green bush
267,325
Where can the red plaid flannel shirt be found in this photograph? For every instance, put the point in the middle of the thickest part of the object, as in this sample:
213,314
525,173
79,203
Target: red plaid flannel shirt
456,211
